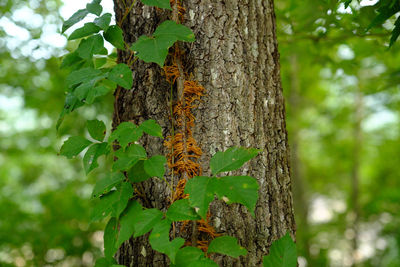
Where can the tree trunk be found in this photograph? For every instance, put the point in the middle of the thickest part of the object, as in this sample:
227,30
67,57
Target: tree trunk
235,58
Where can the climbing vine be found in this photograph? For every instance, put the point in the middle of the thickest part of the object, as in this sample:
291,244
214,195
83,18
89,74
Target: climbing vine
93,74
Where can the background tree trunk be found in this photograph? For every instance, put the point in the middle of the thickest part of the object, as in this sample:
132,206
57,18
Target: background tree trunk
235,58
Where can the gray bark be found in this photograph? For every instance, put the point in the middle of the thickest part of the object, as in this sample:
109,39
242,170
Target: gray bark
235,58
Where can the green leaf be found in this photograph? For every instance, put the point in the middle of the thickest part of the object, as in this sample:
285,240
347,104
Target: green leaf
87,29
128,158
385,12
99,62
203,262
126,133
395,32
90,46
110,234
105,184
172,30
232,159
93,153
71,103
158,3
181,211
114,35
146,220
237,189
94,8
125,192
159,240
121,74
282,253
347,3
154,166
75,18
73,146
159,237
82,75
152,128
127,227
103,262
82,90
104,206
155,48
70,60
96,92
188,255
104,21
137,173
201,193
97,129
226,245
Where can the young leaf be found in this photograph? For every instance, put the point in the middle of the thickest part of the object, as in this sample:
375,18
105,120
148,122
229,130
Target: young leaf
155,48
97,129
104,21
137,173
110,237
154,166
90,46
104,185
146,220
232,159
87,29
75,18
226,245
121,74
152,128
181,211
238,189
94,8
282,253
158,3
128,158
188,255
73,146
114,35
124,194
126,133
93,153
127,227
201,193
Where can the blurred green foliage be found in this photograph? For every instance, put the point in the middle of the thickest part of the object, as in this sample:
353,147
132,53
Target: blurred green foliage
341,84
44,199
336,76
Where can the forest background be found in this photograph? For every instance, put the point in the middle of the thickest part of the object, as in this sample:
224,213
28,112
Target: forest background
341,85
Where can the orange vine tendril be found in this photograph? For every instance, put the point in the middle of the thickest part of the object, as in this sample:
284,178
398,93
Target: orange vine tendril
184,151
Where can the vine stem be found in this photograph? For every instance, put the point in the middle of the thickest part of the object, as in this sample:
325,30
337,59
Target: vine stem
127,11
180,89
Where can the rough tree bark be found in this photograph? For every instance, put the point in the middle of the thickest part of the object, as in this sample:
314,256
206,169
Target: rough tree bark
235,57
